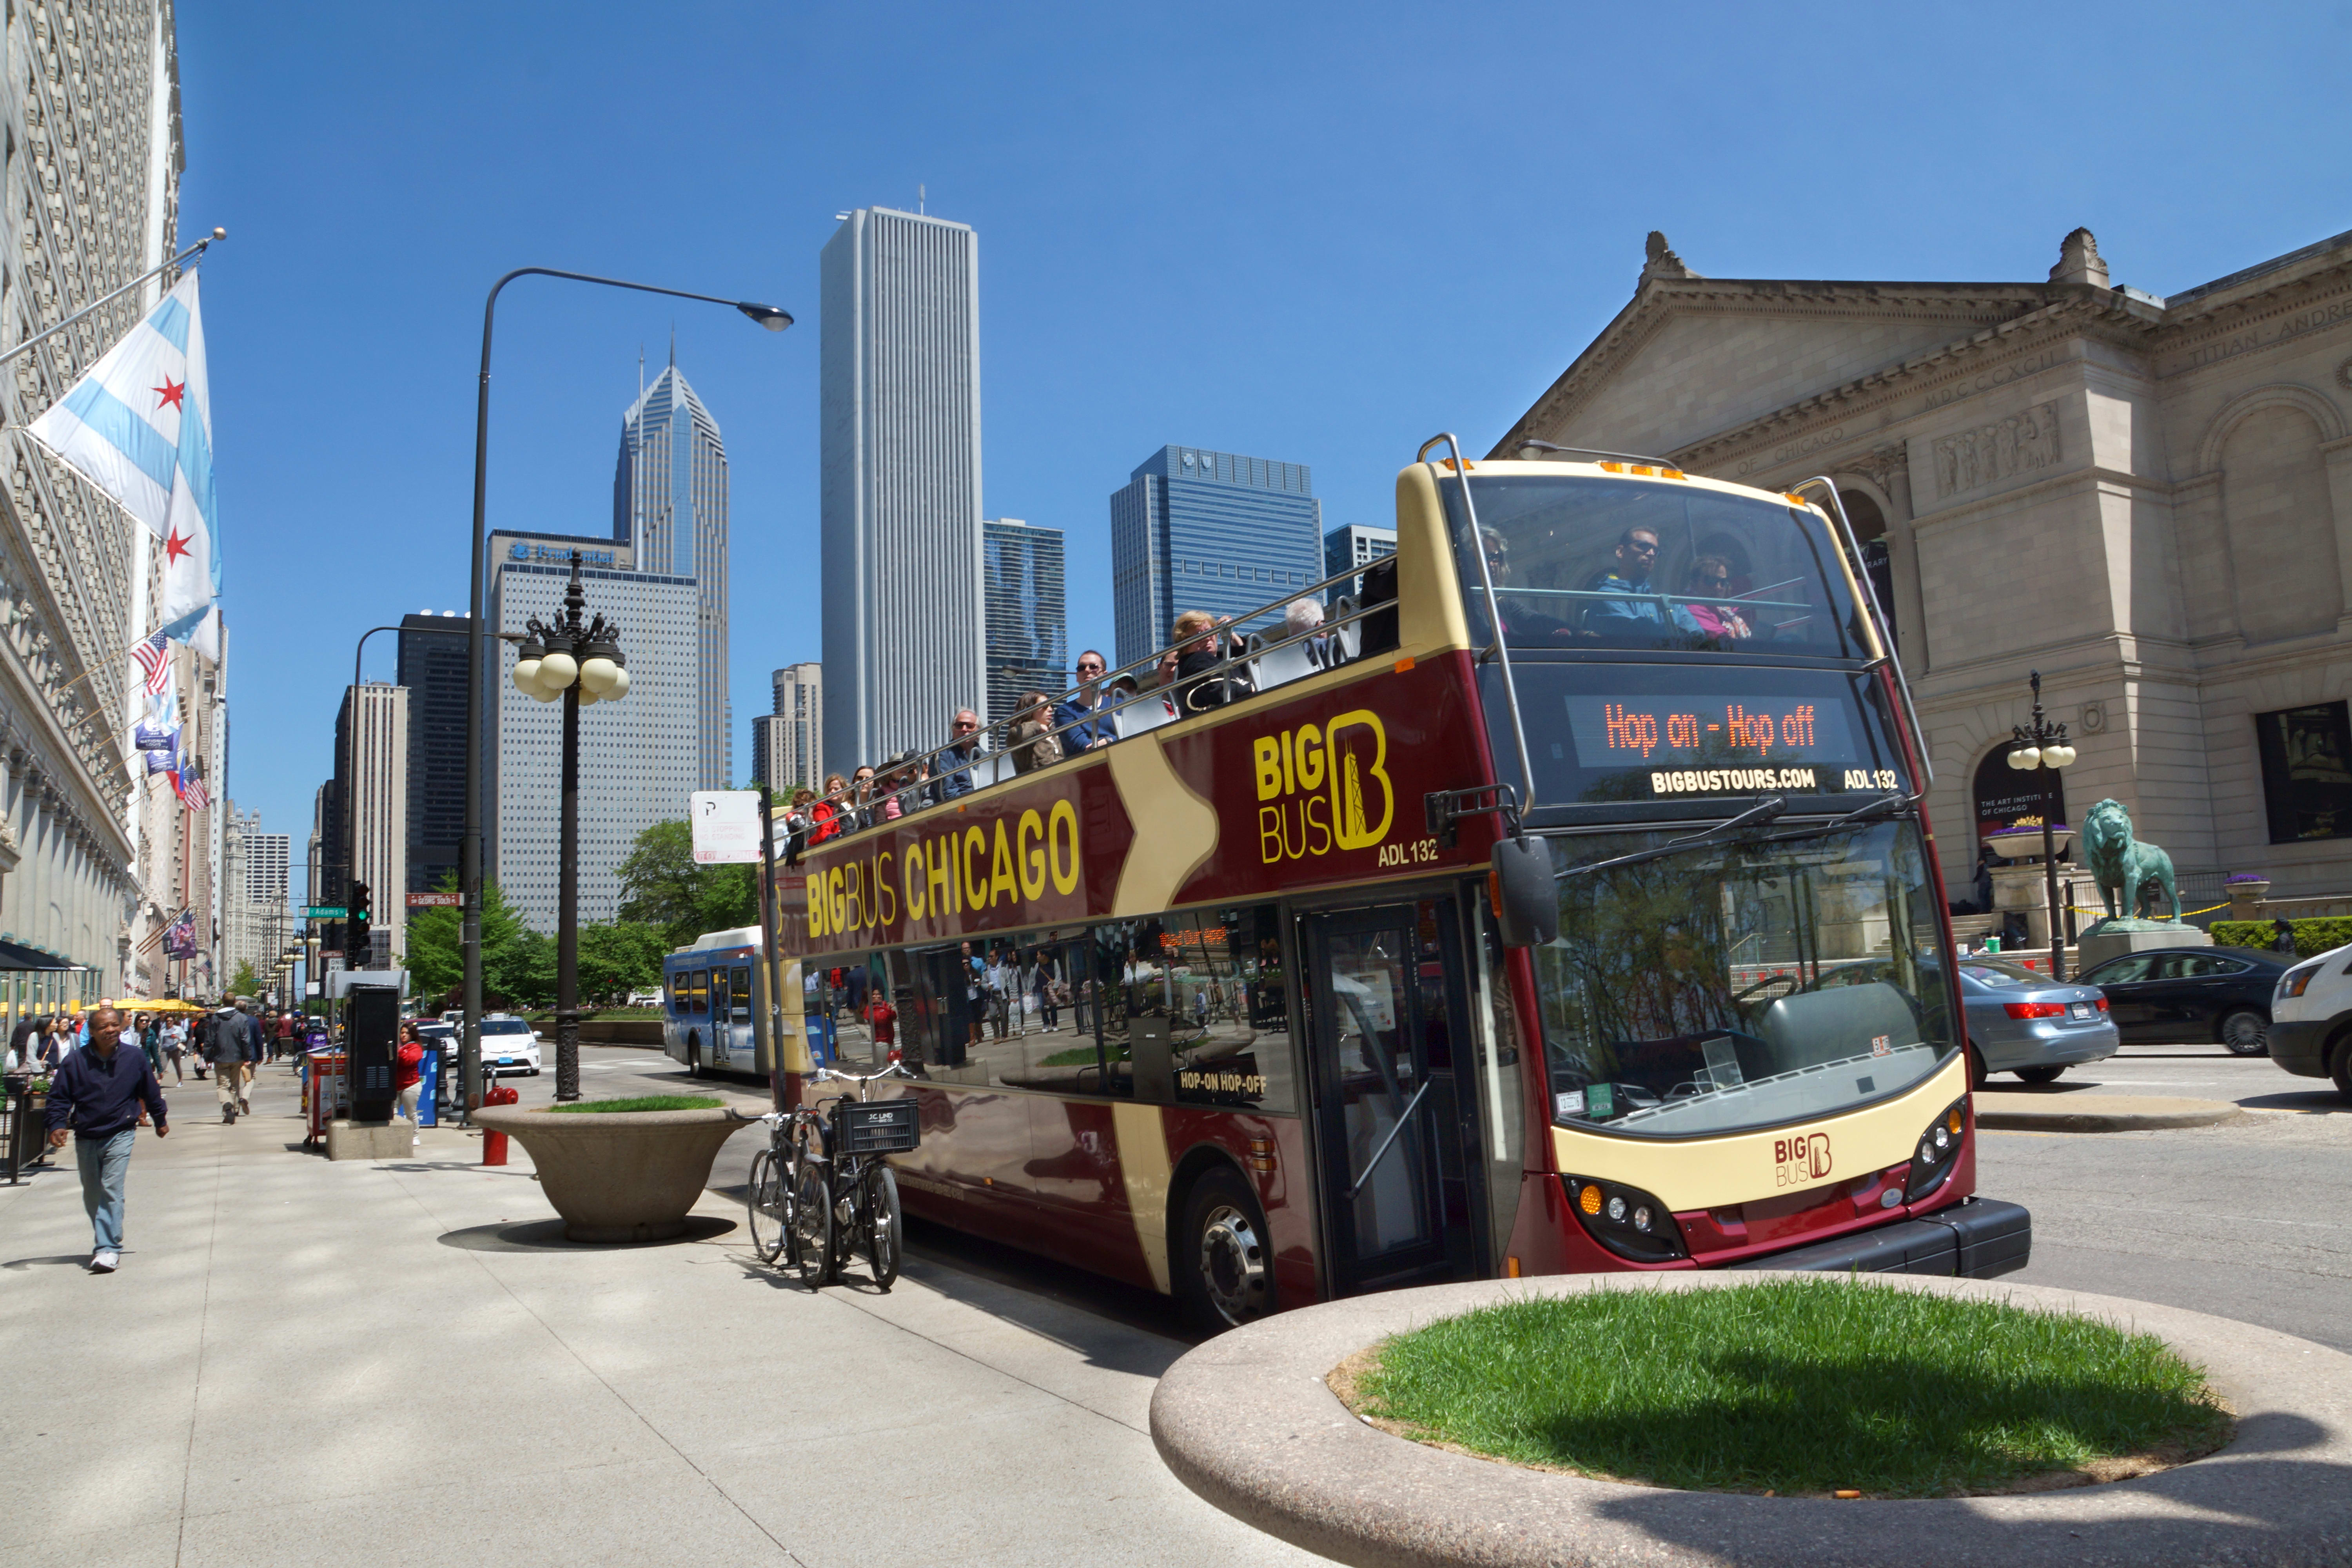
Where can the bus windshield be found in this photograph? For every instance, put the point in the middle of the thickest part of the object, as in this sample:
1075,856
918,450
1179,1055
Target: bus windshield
1585,562
1741,985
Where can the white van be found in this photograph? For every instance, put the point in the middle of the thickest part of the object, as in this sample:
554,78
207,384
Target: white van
2311,1019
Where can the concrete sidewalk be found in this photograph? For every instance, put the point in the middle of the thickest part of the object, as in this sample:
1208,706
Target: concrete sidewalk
399,1363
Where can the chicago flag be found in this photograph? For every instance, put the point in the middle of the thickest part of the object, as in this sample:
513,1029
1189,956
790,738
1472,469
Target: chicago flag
139,426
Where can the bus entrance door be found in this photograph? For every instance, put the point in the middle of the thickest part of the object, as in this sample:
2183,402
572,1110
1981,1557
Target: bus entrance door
1397,1155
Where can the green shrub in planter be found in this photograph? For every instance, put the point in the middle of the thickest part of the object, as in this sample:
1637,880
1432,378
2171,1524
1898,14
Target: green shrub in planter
2313,936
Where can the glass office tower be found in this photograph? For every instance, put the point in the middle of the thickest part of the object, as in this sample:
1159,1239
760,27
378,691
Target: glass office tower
1028,618
1208,530
669,510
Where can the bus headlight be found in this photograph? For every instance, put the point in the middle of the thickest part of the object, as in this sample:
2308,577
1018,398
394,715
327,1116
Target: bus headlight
1940,1145
1626,1220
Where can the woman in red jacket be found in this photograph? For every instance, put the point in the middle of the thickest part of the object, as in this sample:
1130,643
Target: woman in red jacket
407,1068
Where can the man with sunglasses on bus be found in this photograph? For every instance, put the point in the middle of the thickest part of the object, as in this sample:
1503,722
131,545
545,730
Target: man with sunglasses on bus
1637,556
954,764
1076,717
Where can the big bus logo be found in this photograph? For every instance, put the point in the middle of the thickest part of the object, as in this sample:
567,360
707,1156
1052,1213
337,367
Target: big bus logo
1802,1159
1323,786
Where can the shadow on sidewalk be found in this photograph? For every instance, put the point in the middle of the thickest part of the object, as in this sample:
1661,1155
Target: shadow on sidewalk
77,1259
547,1236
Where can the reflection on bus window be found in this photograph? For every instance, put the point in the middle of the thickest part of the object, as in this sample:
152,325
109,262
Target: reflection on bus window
1742,984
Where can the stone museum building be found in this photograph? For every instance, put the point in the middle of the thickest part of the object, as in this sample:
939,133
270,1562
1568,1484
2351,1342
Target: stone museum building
2148,499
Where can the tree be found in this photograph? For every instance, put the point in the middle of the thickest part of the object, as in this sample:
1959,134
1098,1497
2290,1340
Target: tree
617,959
244,983
662,886
436,954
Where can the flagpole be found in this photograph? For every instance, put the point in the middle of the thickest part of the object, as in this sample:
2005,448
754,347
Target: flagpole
103,300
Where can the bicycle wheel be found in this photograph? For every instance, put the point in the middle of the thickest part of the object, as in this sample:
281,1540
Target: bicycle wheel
811,1224
763,1205
883,1243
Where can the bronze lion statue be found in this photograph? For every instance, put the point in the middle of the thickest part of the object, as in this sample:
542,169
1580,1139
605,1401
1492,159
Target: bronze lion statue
2122,866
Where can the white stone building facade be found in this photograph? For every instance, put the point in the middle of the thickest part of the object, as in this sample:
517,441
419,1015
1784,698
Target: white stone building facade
89,855
2148,499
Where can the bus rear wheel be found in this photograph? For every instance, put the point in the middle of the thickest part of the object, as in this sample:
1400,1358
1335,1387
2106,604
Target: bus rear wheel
693,1057
1224,1269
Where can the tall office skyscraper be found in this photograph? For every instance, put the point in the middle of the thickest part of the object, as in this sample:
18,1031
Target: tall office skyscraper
432,668
372,764
669,509
900,488
1354,545
637,756
787,744
1208,530
1027,618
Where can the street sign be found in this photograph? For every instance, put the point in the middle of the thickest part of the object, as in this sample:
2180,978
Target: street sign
436,900
726,827
324,912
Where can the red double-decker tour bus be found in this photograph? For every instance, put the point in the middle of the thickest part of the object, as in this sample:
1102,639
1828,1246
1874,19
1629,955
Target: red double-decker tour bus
1563,901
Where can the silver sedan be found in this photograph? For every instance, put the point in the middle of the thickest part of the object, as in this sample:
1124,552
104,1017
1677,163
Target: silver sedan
2020,1021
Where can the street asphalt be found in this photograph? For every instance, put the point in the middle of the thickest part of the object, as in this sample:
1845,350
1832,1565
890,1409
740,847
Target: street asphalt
399,1363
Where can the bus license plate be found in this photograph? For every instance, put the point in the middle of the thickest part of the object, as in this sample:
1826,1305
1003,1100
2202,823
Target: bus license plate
2078,1009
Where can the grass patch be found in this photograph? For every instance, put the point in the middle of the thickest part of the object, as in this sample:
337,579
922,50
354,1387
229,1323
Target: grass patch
1798,1387
646,1102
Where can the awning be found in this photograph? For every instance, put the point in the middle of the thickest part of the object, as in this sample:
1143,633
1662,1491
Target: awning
15,955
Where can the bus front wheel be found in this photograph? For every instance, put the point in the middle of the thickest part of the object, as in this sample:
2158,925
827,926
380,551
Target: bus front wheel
693,1057
1224,1269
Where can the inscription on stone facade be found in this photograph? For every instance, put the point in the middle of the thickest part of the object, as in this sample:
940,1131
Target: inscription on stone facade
1787,451
2000,374
1973,458
2262,335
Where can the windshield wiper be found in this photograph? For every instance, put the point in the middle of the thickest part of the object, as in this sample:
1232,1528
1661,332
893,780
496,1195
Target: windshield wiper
1884,806
1756,816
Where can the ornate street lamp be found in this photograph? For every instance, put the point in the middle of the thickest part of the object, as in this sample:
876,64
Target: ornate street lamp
580,662
2041,745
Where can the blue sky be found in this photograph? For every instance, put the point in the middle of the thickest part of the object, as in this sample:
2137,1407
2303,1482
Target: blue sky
1315,232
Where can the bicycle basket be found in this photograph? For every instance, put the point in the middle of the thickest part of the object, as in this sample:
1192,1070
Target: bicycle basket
884,1127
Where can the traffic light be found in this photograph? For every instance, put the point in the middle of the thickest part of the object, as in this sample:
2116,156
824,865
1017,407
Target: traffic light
355,928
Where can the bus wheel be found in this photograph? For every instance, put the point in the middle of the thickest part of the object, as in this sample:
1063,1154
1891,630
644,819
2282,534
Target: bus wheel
1224,1272
693,1057
1977,1074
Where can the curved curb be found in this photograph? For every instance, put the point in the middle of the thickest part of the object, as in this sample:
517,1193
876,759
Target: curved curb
1247,1422
2100,1113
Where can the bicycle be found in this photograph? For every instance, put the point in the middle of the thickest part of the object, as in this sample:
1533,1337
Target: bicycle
820,1190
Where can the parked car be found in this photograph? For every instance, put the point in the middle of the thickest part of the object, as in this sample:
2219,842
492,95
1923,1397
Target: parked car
645,999
2020,1021
2179,994
509,1044
2311,1019
433,1032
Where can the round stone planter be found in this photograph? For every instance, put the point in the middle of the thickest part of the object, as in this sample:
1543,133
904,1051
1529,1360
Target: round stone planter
1247,1421
624,1176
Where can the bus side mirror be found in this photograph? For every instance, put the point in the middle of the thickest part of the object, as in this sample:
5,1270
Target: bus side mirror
1526,892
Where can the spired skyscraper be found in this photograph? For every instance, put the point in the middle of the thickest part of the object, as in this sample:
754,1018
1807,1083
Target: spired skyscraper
669,509
900,488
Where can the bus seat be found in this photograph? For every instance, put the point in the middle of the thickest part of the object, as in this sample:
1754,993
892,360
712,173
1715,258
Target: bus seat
1351,635
1379,588
1283,664
1148,711
1812,1027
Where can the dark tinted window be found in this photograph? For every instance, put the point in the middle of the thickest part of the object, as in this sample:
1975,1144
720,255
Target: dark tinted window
2121,970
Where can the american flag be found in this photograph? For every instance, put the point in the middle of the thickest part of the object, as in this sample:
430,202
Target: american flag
190,783
154,656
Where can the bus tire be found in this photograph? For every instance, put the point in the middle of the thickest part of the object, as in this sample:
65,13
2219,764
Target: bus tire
2340,1066
694,1056
1224,1263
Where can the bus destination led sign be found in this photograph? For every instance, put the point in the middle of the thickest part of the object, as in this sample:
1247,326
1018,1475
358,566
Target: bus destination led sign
1712,745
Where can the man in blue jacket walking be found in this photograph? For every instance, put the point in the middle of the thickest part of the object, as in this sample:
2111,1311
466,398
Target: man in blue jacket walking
96,1096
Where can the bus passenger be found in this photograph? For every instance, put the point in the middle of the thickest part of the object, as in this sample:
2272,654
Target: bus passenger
1711,575
827,818
1303,616
954,776
1199,658
1637,555
1032,746
1077,718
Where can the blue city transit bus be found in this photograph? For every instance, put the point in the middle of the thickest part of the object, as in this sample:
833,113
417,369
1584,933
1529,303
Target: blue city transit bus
715,1006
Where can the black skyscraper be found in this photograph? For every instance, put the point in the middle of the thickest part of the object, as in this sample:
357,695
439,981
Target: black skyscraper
432,668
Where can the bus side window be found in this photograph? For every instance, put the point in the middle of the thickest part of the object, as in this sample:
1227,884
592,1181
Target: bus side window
1233,1022
740,985
697,983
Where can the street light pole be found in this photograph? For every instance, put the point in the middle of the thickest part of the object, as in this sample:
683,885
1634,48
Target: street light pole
469,852
579,662
2041,745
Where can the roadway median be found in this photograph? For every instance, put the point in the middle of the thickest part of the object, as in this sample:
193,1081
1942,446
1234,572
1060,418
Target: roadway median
2031,1111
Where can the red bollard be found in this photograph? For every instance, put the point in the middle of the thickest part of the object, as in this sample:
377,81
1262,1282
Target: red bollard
494,1144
